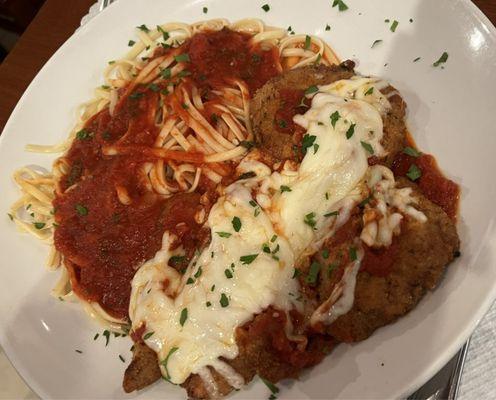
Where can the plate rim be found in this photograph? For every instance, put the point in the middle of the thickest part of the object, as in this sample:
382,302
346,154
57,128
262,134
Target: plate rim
437,362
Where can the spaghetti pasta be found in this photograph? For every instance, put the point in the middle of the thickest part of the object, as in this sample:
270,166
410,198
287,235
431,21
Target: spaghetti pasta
198,137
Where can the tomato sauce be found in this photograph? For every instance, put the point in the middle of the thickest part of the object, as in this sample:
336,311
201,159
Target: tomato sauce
223,55
438,189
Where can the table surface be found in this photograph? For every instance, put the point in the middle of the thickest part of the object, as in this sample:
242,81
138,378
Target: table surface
52,26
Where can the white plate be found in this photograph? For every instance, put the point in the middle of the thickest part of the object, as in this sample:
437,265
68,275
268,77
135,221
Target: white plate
451,114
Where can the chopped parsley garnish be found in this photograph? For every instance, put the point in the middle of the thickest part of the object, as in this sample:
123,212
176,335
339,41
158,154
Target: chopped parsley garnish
411,151
335,118
327,27
253,203
236,223
228,273
165,35
273,388
353,254
131,43
315,148
332,214
185,106
143,28
365,201
256,58
414,172
184,316
266,248
247,175
386,21
308,42
311,89
166,360
183,73
105,87
81,210
332,267
325,254
285,188
79,351
341,5
313,273
394,25
84,134
198,272
266,7
212,288
296,273
106,334
205,10
247,144
308,141
122,358
319,57
190,281
148,335
111,62
442,60
154,87
96,336
136,95
350,131
182,57
367,147
248,259
174,260
208,304
224,301
224,234
273,238
39,225
376,42
369,91
165,73
282,124
417,59
310,220
327,196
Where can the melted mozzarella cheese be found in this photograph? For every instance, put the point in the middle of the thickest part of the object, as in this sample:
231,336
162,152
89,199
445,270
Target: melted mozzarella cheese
160,294
333,166
381,221
342,296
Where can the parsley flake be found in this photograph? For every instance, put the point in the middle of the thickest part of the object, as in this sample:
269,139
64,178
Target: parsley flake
148,335
224,301
143,28
313,273
335,118
310,220
340,4
166,360
182,57
411,152
285,188
224,234
350,131
228,273
184,316
248,259
311,89
236,223
442,60
353,254
369,91
367,147
39,225
376,42
414,172
394,25
266,7
308,42
81,210
327,27
308,141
